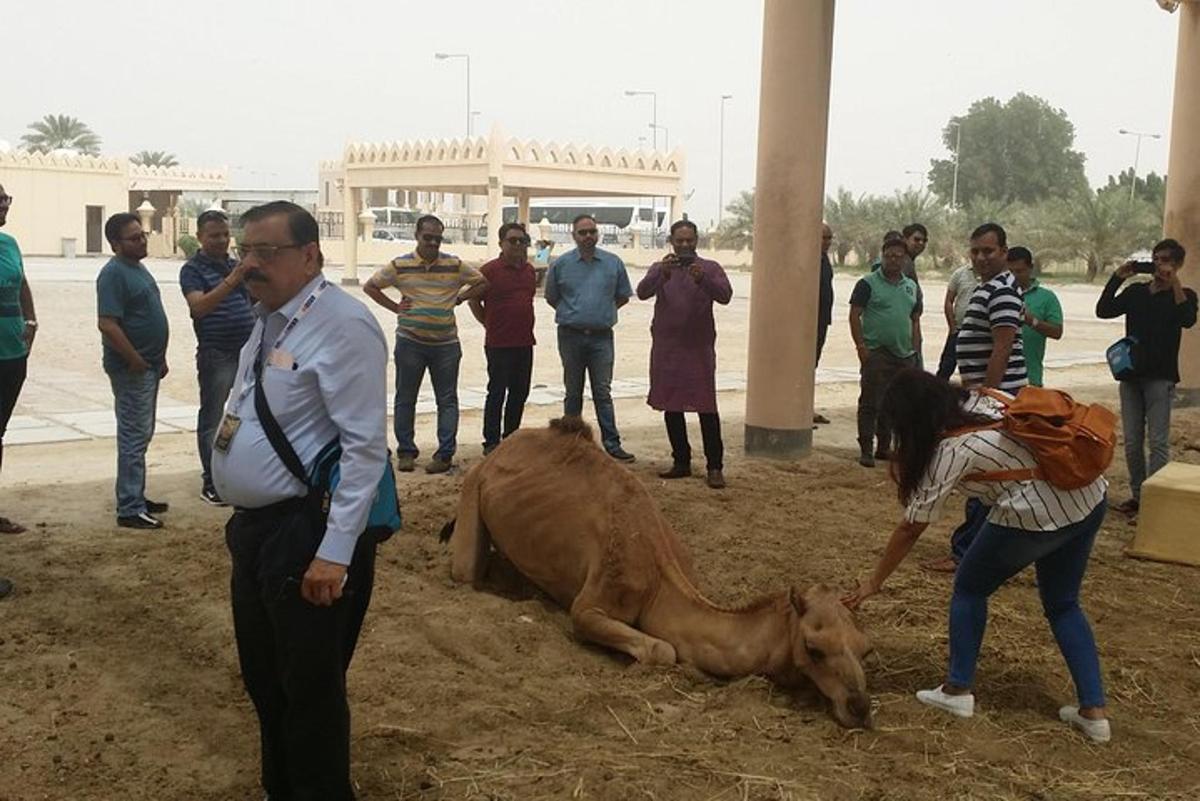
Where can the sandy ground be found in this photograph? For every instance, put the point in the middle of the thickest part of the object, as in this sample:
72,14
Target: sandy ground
119,680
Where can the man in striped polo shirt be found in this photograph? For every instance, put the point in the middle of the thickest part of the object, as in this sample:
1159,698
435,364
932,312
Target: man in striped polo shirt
431,285
212,284
989,353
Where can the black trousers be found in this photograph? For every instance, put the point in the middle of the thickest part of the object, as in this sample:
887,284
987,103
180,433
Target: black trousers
12,378
294,655
822,332
510,371
874,376
710,430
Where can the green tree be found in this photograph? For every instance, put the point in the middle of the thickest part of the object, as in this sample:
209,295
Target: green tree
851,218
154,158
1101,228
1015,151
736,230
1152,188
57,132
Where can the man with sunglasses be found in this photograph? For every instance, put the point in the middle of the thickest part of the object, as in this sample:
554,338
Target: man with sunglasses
586,286
18,327
506,312
222,316
133,327
431,285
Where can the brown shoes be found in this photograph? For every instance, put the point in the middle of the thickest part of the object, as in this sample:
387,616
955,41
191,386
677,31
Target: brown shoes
677,471
715,479
437,465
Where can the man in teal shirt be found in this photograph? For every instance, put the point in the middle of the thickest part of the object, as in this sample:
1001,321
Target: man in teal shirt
885,322
134,329
1043,313
18,326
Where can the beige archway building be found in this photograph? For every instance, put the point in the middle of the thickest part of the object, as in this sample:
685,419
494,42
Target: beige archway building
494,167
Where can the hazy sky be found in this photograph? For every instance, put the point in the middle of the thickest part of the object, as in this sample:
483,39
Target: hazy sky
268,88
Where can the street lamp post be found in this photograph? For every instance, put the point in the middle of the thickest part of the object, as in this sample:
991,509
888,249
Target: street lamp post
467,58
957,158
653,109
1137,153
721,163
666,135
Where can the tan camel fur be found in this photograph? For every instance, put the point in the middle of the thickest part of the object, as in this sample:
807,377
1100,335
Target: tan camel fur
586,531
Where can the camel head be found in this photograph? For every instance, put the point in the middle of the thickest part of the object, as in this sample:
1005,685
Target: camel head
828,647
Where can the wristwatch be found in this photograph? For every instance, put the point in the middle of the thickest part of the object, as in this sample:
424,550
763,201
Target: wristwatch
31,323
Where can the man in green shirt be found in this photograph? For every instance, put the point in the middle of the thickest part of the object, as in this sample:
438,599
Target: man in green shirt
1043,313
885,322
18,326
134,330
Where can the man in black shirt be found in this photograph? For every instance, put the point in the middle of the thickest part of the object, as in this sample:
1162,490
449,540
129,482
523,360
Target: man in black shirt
824,302
1156,312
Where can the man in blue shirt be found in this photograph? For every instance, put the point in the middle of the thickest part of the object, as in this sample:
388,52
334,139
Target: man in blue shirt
133,326
212,284
586,286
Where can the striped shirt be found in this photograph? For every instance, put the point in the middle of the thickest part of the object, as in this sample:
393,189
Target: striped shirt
228,325
994,304
1032,505
433,288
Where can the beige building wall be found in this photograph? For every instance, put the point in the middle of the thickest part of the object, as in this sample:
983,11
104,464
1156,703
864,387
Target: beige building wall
52,196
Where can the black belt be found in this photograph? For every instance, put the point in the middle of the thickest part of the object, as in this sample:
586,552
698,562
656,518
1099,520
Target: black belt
277,509
588,331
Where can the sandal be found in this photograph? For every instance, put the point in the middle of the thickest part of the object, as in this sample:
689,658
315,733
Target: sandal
9,527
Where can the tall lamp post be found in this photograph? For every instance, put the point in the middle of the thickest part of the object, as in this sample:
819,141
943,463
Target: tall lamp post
1137,153
957,158
721,163
466,58
653,109
471,127
666,135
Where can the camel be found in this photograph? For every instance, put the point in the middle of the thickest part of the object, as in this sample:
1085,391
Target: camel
585,531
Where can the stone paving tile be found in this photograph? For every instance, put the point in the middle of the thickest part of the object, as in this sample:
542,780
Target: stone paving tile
42,434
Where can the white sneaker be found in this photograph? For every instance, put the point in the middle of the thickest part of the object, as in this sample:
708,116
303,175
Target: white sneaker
1098,731
962,706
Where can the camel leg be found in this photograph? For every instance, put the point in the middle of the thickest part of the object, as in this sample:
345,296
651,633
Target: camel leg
595,625
470,542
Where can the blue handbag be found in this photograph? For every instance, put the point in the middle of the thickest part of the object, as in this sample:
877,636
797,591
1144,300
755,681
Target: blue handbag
384,518
1123,358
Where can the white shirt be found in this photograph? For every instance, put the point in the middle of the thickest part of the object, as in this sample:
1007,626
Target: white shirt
335,390
1032,505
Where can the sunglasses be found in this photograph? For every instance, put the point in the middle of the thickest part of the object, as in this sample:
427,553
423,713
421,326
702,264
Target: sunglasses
586,232
512,240
263,253
431,237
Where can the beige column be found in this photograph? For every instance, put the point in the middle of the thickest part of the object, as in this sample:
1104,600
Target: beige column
495,210
1182,218
350,206
523,207
676,209
793,117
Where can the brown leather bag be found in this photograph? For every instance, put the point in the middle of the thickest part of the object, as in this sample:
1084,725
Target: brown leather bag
1072,442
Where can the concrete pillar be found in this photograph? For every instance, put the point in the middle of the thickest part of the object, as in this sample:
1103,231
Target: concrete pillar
350,206
792,129
495,210
366,225
1182,217
676,210
523,208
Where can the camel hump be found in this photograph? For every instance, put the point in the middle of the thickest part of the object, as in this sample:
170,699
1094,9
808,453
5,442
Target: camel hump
571,424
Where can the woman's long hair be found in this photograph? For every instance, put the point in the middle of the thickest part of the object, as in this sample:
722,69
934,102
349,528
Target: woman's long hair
921,408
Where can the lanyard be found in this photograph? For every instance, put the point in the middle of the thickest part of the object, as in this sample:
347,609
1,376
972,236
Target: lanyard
255,368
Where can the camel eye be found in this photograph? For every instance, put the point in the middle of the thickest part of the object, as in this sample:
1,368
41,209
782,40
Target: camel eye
816,654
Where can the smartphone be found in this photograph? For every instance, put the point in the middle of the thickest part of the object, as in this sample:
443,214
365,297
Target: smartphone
1143,267
686,259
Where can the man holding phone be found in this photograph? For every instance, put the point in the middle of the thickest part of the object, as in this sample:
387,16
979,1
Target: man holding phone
1156,312
683,355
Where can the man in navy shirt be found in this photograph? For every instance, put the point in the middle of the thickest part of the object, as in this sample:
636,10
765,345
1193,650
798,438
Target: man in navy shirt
212,284
586,286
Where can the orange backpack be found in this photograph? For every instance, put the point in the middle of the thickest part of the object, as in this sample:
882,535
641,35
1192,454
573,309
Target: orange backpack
1072,442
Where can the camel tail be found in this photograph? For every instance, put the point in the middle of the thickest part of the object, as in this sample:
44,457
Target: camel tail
571,424
447,531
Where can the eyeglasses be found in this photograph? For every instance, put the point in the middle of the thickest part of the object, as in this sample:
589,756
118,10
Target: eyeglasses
431,237
586,231
140,236
263,253
512,240
6,200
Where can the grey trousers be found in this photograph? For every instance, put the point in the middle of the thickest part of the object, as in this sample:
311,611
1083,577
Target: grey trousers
874,375
1146,411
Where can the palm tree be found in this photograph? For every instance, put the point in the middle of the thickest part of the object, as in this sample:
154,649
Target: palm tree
154,158
58,131
736,231
1101,228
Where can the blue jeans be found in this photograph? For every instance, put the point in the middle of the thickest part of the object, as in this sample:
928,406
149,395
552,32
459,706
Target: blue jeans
216,370
974,518
1145,409
135,397
592,352
1060,558
412,359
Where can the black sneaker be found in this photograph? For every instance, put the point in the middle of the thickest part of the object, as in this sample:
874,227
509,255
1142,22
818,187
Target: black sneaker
157,507
209,496
144,520
6,588
621,455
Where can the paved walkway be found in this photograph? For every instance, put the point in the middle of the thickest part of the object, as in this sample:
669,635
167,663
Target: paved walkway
91,415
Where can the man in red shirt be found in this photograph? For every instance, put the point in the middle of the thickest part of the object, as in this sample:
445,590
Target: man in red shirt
506,311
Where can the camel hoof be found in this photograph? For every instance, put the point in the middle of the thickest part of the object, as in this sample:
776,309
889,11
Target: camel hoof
659,653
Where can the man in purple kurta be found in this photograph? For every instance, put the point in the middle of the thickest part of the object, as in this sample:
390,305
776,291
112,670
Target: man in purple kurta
683,356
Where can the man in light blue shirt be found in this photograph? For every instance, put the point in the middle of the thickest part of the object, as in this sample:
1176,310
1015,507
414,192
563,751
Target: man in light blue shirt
586,286
301,583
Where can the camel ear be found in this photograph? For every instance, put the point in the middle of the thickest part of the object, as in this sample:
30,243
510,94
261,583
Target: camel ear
797,601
